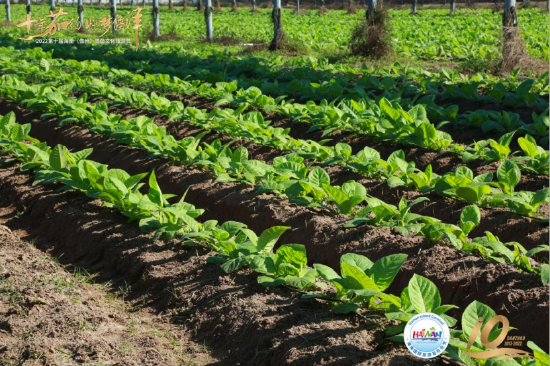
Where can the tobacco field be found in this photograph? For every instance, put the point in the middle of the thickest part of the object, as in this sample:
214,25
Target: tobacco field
196,203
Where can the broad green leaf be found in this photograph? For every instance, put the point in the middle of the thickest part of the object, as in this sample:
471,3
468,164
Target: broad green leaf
294,254
45,64
58,159
256,167
270,281
424,294
345,308
232,227
264,264
387,108
234,264
528,147
385,269
335,193
473,194
509,173
470,217
471,315
269,237
357,260
356,278
154,190
541,357
318,177
327,273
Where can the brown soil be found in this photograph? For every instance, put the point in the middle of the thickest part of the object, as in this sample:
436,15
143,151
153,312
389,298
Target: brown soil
48,316
324,237
239,198
239,321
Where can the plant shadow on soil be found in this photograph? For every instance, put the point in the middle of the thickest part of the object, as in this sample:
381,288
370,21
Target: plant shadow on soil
243,322
105,244
461,278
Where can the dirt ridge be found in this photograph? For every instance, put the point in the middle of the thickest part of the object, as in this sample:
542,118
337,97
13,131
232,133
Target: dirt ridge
452,271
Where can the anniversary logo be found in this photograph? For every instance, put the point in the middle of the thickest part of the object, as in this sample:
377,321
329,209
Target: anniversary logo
427,335
56,24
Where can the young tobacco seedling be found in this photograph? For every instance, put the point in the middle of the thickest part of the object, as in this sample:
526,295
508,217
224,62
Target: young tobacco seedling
379,213
238,246
346,198
470,217
420,296
537,158
288,266
362,282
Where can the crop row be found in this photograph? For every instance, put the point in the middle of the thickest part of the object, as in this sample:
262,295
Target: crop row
368,89
360,286
361,117
250,71
351,117
460,184
291,178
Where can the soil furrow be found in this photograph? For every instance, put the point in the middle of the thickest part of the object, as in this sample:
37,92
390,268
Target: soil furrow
241,322
240,198
464,277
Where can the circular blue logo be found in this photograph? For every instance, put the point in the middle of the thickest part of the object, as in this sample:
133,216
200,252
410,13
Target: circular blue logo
426,335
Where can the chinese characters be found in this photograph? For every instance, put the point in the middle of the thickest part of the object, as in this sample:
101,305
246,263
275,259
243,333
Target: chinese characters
73,24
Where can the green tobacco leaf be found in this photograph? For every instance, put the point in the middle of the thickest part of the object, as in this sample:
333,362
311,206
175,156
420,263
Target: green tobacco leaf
232,227
45,64
335,193
264,264
506,139
345,308
470,217
471,315
294,254
318,177
269,237
540,196
357,279
385,269
357,260
327,273
473,194
255,167
270,281
509,173
424,294
528,147
541,357
154,190
387,108
58,159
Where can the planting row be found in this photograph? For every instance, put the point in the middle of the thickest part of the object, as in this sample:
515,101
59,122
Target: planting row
291,178
306,78
419,133
460,184
360,286
345,115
